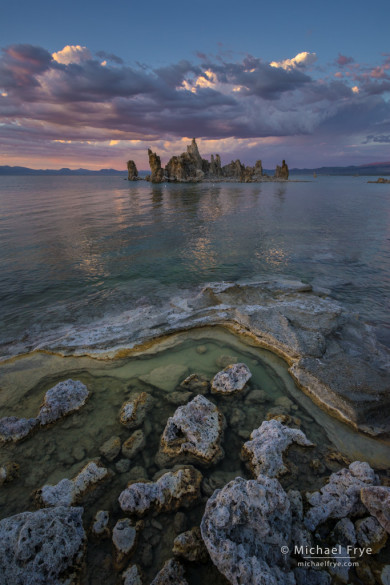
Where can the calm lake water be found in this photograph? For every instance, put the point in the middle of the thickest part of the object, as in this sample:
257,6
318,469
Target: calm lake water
73,249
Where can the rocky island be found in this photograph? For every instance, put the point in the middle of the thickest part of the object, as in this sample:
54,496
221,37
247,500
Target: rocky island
190,167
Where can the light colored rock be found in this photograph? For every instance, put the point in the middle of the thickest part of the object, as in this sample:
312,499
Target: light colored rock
111,448
132,576
124,539
264,451
231,380
68,492
8,472
133,444
244,527
370,534
190,546
377,501
133,412
43,547
193,434
63,399
165,377
172,573
100,526
171,491
340,496
15,429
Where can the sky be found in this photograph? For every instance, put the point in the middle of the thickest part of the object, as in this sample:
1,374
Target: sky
92,85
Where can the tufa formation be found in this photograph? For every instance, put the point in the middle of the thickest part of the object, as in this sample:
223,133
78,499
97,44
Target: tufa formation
190,167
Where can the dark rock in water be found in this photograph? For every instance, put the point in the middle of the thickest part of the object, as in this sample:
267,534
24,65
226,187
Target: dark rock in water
172,573
258,170
234,170
281,172
14,429
187,167
190,546
8,472
370,534
377,501
43,547
132,171
155,166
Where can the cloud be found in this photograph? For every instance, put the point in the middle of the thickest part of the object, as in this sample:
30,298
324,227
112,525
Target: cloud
301,60
381,139
72,54
344,60
110,57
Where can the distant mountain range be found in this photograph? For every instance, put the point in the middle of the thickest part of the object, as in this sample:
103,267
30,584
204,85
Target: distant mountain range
372,169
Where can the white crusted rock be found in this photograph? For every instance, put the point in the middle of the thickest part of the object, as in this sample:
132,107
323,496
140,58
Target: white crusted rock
42,547
133,412
370,534
64,398
265,449
124,539
377,501
15,429
169,492
100,526
132,575
245,526
231,380
70,491
193,434
340,497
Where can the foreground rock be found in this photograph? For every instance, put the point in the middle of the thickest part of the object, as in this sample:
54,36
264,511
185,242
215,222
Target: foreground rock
133,412
172,573
340,497
42,548
244,527
377,501
268,443
70,491
170,492
231,380
124,539
190,546
193,434
132,576
61,400
15,429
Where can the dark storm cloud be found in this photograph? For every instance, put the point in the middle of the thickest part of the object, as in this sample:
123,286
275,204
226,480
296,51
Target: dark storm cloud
20,64
381,139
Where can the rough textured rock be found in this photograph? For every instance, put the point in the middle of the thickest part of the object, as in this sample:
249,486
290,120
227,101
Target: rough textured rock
111,448
244,527
340,568
377,501
132,576
304,576
43,547
100,526
157,175
190,546
172,573
64,398
281,172
124,539
169,492
15,429
8,472
268,443
133,444
132,172
196,383
234,170
187,167
340,496
165,377
70,491
133,412
370,534
231,380
193,434
344,533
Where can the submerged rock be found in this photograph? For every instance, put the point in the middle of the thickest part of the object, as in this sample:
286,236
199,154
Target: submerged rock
268,443
111,448
244,527
172,573
8,472
231,380
70,491
172,490
15,429
133,444
196,383
377,501
340,497
132,576
190,546
133,412
165,377
64,398
43,547
193,434
100,527
124,539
